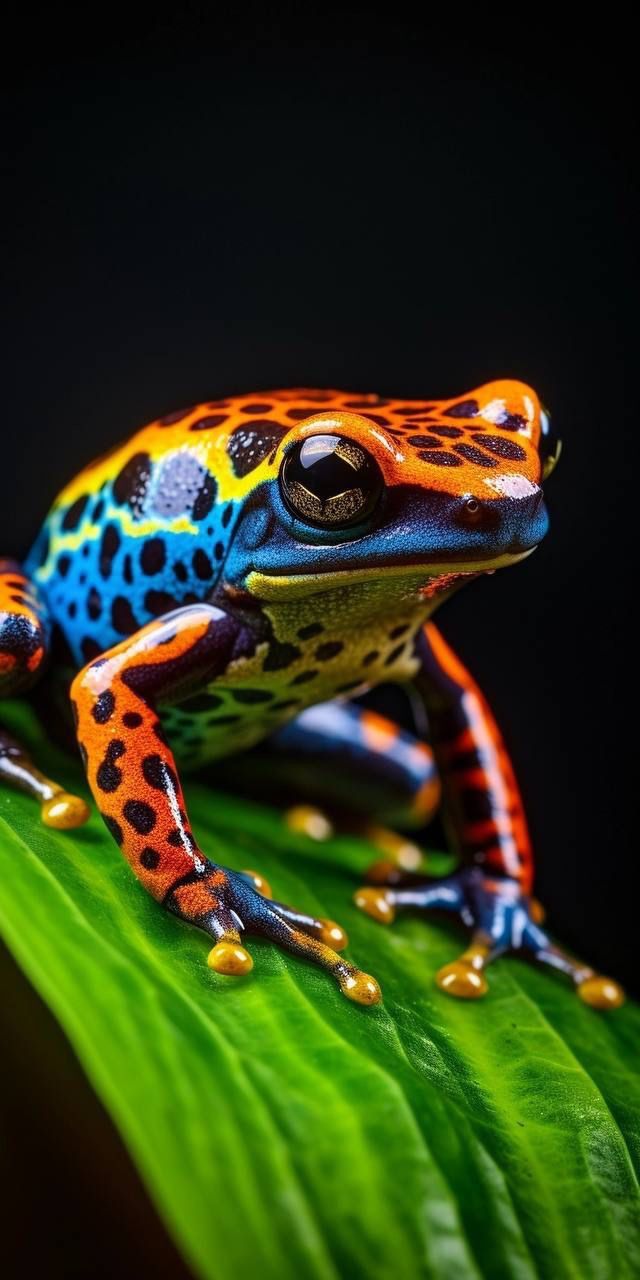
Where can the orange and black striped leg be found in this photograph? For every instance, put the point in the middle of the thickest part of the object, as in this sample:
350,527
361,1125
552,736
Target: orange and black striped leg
132,774
491,894
24,639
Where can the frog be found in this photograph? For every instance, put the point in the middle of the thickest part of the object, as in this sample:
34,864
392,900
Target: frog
217,592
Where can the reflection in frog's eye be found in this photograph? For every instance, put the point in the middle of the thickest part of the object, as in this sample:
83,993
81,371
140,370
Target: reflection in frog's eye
550,444
330,482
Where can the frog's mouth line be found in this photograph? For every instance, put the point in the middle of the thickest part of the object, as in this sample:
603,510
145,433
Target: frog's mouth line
273,586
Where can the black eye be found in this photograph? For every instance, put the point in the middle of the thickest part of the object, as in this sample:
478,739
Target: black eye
330,482
474,514
550,446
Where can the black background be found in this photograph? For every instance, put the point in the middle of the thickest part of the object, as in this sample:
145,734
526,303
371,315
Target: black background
194,207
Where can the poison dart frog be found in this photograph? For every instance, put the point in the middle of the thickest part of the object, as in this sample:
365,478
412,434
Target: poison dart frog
222,585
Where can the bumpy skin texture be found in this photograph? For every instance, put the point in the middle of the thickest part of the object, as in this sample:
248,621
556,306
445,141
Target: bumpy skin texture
212,611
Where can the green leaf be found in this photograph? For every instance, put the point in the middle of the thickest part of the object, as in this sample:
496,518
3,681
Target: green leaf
280,1128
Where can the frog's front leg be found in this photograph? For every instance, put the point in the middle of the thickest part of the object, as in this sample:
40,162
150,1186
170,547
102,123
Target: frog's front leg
133,777
484,812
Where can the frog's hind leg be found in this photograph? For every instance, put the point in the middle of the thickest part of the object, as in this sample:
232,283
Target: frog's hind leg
24,643
360,768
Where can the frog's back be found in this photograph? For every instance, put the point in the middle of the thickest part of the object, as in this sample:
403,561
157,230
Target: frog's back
146,528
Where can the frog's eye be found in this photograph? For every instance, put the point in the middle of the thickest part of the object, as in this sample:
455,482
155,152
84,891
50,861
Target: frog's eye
550,446
330,482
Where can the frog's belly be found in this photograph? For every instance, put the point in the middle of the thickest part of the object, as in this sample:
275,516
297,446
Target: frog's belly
249,703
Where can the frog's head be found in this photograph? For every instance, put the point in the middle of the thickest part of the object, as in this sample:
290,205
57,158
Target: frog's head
448,490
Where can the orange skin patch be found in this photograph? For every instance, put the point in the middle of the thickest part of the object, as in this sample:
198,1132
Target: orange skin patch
458,446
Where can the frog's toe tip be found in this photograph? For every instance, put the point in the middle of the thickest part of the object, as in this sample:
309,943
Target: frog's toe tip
64,811
360,987
230,959
260,883
333,935
375,903
601,993
306,820
462,980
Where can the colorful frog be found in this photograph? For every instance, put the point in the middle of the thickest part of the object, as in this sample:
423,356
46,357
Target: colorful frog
224,582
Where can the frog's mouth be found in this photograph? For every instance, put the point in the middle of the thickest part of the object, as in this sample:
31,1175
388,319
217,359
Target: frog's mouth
416,577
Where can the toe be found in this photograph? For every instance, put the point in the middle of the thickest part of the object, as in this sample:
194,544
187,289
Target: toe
360,987
64,811
375,903
601,993
462,980
230,958
260,883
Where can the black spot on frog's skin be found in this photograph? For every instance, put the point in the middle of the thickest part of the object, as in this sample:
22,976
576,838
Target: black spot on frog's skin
73,515
512,422
393,656
94,604
176,838
109,776
114,827
472,454
303,677
439,458
132,720
131,484
63,565
210,421
227,514
140,816
159,602
104,707
298,415
256,408
312,629
285,705
150,859
426,442
451,433
504,448
123,617
127,570
109,547
330,649
153,556
218,550
251,696
400,630
463,409
98,511
180,571
72,609
280,654
42,549
370,657
206,497
249,445
202,566
226,719
158,774
201,702
89,648
170,419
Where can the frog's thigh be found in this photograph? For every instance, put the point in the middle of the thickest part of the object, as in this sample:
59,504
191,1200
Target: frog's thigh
349,759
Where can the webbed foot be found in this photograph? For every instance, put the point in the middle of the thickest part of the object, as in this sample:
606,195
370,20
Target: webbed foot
502,919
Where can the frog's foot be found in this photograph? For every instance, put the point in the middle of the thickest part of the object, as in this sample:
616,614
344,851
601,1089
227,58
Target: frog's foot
226,904
501,918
